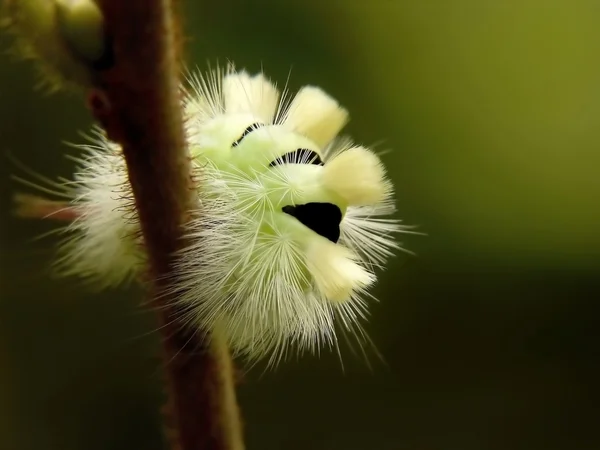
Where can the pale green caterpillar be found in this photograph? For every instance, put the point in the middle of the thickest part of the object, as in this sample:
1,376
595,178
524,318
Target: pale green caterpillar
292,222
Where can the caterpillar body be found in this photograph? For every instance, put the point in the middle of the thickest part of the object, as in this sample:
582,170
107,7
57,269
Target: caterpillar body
291,225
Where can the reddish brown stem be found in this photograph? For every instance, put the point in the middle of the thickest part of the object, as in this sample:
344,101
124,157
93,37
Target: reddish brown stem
142,111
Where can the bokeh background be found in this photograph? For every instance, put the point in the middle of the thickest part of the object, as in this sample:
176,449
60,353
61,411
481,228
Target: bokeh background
490,334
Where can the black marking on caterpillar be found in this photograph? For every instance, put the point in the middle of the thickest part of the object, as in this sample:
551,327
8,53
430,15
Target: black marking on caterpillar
246,132
323,218
300,156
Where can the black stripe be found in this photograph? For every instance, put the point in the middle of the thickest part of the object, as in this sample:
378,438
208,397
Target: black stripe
246,132
300,156
323,218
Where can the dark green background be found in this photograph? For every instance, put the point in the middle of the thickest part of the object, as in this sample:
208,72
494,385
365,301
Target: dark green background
491,110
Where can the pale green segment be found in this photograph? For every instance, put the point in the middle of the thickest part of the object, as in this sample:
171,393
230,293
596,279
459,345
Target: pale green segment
284,184
278,186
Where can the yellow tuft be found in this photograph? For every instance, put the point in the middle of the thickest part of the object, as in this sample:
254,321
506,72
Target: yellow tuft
358,176
245,94
335,271
316,115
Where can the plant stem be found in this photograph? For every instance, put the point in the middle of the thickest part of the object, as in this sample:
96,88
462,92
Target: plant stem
141,110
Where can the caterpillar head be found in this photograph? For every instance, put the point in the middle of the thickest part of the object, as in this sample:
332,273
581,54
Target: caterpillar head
283,245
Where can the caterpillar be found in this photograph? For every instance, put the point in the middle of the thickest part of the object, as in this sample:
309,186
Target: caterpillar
292,224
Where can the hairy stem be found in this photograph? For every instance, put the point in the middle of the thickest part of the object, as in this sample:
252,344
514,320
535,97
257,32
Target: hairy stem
138,102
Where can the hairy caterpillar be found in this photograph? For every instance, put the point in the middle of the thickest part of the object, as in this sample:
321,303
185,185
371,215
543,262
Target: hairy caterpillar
292,222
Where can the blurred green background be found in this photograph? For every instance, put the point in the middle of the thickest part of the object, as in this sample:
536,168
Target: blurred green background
490,334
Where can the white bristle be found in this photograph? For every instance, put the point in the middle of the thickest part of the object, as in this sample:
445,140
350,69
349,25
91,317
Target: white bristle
334,270
357,174
103,245
245,94
316,115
